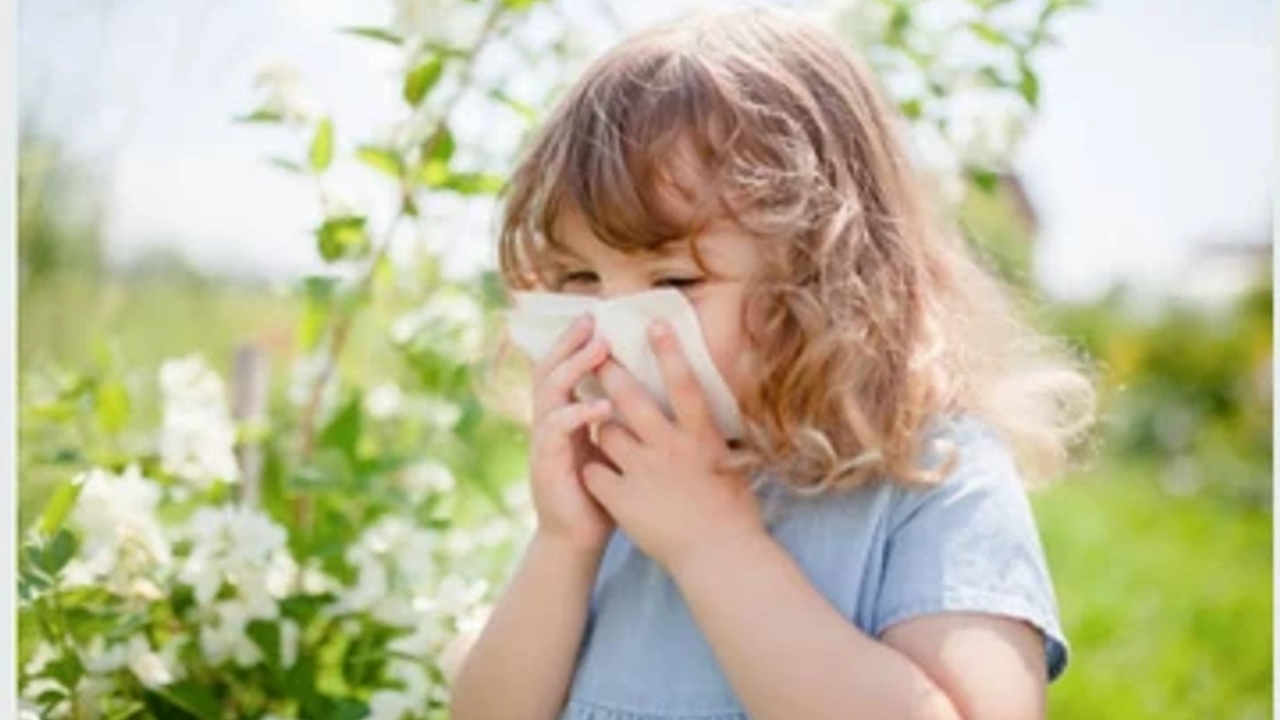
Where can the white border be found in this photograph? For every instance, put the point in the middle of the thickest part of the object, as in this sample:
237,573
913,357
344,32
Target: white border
8,354
1275,416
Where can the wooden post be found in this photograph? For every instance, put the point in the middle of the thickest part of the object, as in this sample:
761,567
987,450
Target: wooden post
249,408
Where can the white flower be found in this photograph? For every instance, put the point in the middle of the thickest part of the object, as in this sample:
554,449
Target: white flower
289,636
169,655
99,658
33,689
985,127
197,441
391,705
394,704
447,21
121,538
148,666
457,597
199,447
475,619
426,478
392,559
459,542
89,693
426,636
449,322
190,381
314,580
243,547
285,94
384,401
226,639
518,499
436,411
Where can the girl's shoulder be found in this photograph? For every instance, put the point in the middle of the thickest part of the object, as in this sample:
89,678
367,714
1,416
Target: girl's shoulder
887,552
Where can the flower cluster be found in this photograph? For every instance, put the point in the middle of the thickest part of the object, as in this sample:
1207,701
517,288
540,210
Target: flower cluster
197,441
239,569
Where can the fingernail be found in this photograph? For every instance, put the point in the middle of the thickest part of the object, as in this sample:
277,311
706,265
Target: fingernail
659,330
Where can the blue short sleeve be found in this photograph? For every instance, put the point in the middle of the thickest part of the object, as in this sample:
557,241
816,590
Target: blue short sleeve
970,544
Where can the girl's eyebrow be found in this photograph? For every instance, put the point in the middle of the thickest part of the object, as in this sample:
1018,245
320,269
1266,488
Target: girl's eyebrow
670,248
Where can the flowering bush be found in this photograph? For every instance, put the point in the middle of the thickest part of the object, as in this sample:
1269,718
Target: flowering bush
334,555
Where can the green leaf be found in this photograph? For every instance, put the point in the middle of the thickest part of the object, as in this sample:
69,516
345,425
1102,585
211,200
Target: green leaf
899,21
59,552
260,116
343,430
911,108
66,669
424,77
987,33
193,696
317,292
992,76
128,712
300,682
985,178
518,5
373,33
440,146
475,183
266,634
112,403
522,109
342,237
382,160
1029,85
348,709
321,155
290,165
433,173
58,507
328,470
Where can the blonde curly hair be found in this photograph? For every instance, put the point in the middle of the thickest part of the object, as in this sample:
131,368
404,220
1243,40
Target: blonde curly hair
877,319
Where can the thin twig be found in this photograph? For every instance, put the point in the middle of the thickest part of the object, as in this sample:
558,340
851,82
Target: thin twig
342,330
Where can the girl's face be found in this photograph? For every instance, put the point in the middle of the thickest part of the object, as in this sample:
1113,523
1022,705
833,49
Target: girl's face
595,269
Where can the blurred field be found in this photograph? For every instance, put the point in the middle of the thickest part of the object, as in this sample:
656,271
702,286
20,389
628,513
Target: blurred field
1166,599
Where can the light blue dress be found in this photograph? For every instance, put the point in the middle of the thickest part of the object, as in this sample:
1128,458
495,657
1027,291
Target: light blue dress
880,554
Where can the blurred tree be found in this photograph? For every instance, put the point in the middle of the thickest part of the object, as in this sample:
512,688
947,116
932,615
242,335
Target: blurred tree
60,208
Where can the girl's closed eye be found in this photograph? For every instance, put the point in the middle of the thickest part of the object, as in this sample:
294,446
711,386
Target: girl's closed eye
587,277
679,282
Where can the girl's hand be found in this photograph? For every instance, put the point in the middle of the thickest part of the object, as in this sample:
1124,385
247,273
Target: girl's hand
559,445
668,497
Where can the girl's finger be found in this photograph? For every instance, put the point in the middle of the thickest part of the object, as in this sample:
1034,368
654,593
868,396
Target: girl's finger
560,423
687,399
569,340
638,410
556,388
617,443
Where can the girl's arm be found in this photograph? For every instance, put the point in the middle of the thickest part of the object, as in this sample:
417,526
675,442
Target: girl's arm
789,654
521,665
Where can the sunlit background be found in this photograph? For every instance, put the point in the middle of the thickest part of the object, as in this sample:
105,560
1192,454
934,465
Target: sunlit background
1128,185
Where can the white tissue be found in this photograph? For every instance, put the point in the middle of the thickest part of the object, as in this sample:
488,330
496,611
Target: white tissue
540,318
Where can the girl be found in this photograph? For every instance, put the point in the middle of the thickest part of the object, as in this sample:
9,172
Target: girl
867,550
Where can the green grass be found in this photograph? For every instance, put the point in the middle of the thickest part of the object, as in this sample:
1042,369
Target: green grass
1166,600
61,320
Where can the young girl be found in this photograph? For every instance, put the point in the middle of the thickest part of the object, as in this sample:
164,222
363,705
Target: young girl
867,549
